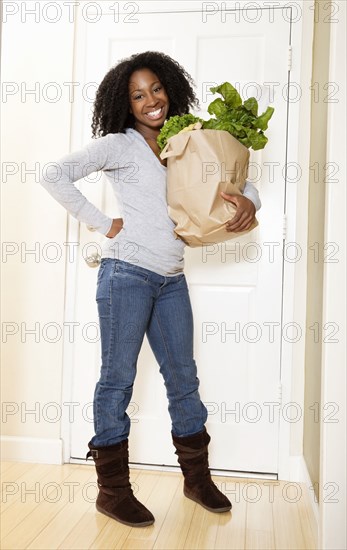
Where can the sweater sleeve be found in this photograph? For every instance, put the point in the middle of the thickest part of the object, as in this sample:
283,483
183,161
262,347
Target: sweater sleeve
60,177
252,193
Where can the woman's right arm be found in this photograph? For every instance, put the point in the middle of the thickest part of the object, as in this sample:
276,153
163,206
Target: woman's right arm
60,177
116,226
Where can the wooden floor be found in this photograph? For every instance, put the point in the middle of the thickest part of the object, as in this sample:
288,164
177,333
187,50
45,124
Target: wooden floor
53,507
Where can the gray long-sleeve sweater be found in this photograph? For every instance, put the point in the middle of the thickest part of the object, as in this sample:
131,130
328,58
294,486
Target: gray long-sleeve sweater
138,180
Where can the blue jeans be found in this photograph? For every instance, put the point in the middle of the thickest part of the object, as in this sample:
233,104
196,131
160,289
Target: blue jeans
133,301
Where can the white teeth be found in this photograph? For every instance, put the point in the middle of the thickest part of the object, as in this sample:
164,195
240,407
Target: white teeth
154,113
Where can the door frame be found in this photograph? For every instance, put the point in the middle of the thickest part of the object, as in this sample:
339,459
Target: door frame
294,274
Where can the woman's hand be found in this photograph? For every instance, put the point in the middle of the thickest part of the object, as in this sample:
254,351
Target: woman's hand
244,215
116,226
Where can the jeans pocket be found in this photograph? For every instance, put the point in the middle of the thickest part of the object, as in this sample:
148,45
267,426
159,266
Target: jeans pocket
103,280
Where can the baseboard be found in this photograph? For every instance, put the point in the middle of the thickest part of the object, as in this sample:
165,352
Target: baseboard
300,474
31,449
308,482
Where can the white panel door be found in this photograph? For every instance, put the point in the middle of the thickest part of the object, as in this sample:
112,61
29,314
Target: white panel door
235,287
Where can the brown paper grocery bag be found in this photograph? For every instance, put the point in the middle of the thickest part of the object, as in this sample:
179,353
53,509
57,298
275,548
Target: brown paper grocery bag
201,164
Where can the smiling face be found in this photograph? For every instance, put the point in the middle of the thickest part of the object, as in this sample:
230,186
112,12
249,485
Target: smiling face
149,102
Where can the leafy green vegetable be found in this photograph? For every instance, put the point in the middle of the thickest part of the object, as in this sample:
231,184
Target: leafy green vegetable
240,119
173,126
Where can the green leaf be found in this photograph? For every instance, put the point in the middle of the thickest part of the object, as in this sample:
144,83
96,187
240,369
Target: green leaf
230,95
258,139
251,104
262,120
238,127
217,107
210,124
245,141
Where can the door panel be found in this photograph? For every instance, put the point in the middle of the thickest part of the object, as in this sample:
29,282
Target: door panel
235,287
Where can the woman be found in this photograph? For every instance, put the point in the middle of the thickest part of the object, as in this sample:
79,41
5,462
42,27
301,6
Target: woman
141,286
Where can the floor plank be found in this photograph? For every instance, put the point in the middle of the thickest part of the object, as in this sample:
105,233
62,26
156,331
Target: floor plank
259,523
6,465
158,503
75,505
180,513
307,519
111,536
287,525
53,497
85,531
12,479
231,532
33,489
202,533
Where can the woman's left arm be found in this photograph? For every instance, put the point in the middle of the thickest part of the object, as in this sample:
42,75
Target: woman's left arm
251,192
246,204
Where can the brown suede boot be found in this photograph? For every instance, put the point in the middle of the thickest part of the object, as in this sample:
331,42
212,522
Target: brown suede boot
198,486
116,498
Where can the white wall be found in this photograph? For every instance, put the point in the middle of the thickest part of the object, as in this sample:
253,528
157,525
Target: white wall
35,130
333,433
315,260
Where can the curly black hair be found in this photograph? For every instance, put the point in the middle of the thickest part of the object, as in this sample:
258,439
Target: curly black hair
111,106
